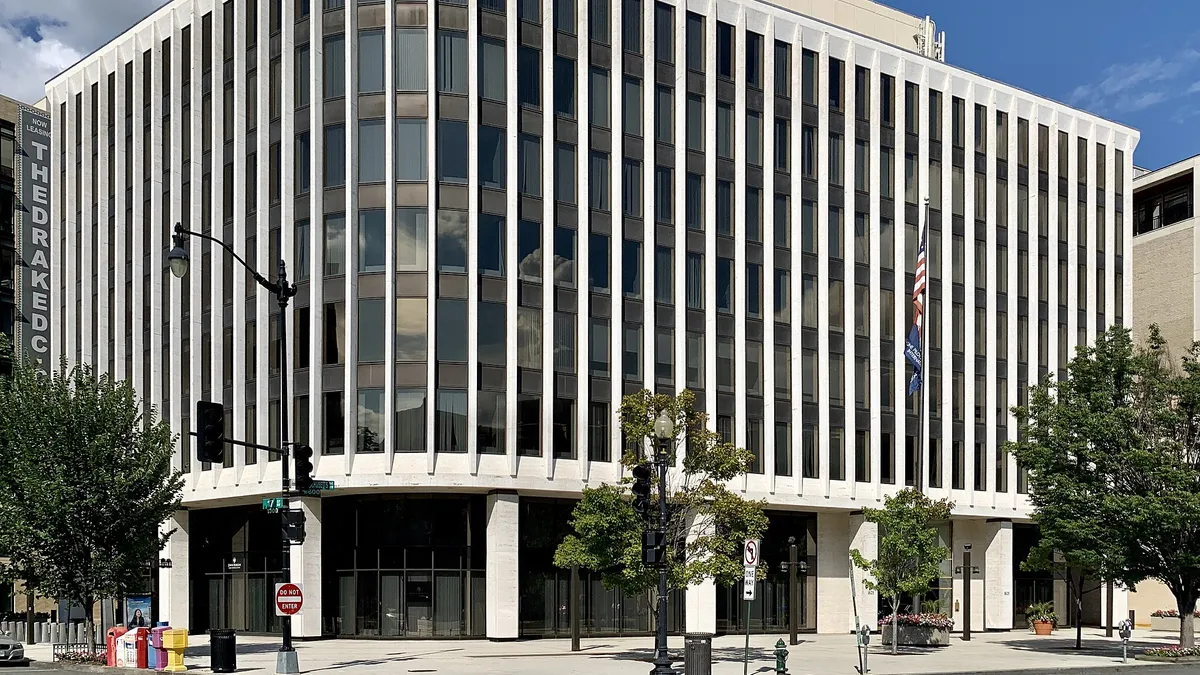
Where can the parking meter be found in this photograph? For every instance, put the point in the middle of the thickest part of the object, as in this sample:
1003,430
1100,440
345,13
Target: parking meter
1125,629
864,639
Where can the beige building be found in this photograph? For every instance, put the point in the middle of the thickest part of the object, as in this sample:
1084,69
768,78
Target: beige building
1166,272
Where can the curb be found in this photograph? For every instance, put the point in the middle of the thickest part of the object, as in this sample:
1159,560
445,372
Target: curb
85,668
1071,670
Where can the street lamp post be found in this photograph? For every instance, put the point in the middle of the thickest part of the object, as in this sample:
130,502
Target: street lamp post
664,432
793,593
966,604
286,661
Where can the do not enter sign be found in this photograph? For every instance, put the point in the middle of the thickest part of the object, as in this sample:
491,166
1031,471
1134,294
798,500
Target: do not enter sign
289,599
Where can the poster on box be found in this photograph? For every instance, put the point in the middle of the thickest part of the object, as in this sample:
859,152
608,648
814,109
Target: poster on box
137,611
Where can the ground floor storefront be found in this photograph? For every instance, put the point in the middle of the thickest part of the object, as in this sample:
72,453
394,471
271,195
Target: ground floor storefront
481,565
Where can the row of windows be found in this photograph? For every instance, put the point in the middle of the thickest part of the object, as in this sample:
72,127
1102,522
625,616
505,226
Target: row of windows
451,419
450,226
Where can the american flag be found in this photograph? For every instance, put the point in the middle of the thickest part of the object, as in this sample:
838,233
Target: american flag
912,347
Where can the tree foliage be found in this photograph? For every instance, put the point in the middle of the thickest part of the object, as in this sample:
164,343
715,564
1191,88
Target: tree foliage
85,485
909,555
707,522
1113,454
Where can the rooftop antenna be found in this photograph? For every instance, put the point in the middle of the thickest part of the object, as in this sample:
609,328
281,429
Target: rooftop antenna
930,42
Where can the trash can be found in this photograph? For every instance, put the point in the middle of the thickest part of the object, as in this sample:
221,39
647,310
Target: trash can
223,650
697,653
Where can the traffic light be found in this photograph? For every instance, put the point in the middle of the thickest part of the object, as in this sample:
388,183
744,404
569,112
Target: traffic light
293,526
653,547
210,431
302,454
641,490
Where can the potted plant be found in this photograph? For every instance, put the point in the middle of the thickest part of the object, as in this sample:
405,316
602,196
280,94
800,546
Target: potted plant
1040,615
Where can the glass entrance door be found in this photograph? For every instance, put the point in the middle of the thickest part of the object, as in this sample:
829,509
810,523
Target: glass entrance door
418,604
391,615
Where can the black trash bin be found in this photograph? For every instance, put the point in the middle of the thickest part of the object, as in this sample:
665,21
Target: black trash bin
223,650
697,653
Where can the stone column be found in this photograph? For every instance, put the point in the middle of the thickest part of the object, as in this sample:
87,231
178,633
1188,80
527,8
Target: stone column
977,534
864,537
306,570
503,543
997,565
837,533
173,582
1062,600
700,603
833,573
1120,604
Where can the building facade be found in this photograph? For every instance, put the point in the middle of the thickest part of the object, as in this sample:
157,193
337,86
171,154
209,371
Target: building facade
1165,290
24,274
504,216
9,123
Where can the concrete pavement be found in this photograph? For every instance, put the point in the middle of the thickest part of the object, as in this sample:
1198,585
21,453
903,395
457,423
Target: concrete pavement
990,653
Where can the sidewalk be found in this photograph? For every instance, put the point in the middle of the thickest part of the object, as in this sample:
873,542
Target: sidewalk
816,655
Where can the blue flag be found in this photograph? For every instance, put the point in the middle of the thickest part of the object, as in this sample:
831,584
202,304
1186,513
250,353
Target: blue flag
912,352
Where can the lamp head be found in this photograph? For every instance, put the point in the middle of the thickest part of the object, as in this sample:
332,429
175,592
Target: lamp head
664,428
178,257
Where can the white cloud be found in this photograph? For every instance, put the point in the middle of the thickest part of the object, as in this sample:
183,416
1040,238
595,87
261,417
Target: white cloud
40,39
1130,87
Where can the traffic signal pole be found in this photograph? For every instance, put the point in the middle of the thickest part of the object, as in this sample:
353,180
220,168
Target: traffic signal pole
286,663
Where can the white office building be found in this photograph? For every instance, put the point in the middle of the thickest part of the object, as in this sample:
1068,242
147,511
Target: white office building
504,215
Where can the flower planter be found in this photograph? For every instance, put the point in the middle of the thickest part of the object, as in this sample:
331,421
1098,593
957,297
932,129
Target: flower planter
1042,627
1171,654
917,636
1168,659
1167,623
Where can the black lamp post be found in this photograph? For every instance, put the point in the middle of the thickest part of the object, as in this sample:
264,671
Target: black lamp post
283,291
966,604
664,432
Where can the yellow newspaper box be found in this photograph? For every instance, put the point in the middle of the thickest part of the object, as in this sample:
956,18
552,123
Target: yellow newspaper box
175,641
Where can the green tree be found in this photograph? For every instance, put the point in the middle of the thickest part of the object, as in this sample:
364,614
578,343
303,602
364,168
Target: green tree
1113,454
707,521
86,484
909,556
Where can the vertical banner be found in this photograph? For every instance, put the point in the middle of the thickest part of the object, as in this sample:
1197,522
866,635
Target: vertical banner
33,193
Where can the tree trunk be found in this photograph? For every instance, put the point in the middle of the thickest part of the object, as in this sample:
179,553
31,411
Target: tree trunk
1079,612
1187,621
89,624
895,625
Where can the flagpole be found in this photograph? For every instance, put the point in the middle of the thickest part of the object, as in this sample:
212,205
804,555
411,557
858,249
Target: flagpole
922,450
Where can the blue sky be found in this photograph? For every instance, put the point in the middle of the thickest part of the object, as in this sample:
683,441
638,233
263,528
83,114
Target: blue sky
1134,62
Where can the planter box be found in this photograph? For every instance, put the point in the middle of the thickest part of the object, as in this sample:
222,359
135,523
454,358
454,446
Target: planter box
1168,623
918,636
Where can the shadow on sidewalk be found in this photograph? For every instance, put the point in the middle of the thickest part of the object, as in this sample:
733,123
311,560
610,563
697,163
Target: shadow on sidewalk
1088,647
390,658
719,655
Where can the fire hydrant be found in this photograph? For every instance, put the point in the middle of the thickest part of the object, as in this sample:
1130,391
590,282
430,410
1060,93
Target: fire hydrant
781,656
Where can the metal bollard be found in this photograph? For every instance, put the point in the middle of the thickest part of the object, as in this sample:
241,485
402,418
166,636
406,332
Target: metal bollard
781,657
